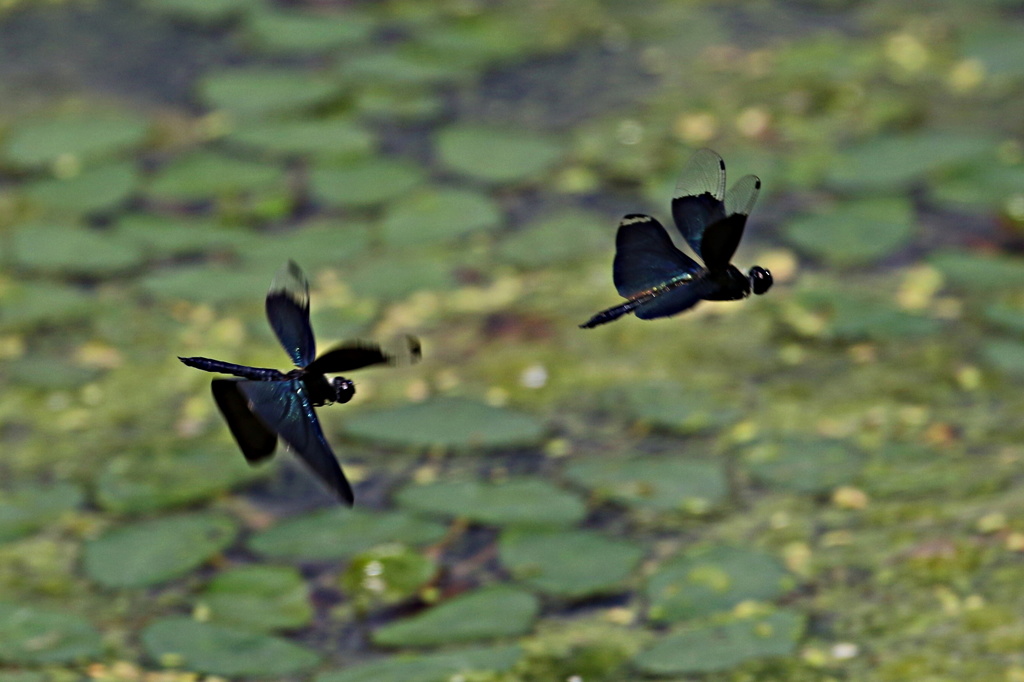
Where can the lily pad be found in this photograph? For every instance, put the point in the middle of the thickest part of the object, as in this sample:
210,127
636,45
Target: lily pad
265,91
440,667
662,485
980,273
202,12
31,507
1006,357
490,613
328,243
219,650
987,185
152,552
49,372
365,183
438,215
400,67
405,104
44,303
570,563
164,236
1007,314
134,484
497,155
562,236
711,648
30,635
524,502
259,598
805,465
672,406
855,316
205,175
339,533
205,284
92,190
997,48
386,574
402,274
453,423
854,232
70,249
890,164
703,582
295,32
85,136
329,139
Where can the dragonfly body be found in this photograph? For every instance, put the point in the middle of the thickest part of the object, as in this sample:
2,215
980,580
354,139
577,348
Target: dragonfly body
261,404
659,280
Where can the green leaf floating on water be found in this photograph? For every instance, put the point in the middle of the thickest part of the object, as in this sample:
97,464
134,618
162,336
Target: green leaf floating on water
72,249
200,11
888,164
259,598
403,273
365,183
85,137
206,284
854,232
998,47
327,243
329,139
265,91
386,574
1007,314
30,635
438,214
562,236
165,236
660,484
980,273
339,533
50,372
673,406
285,32
92,190
218,650
438,667
569,564
710,648
805,465
31,507
36,303
1006,357
489,613
523,501
854,316
497,155
715,579
134,483
401,67
454,423
155,551
205,175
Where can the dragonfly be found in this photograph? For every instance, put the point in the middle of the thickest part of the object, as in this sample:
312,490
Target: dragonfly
659,280
262,404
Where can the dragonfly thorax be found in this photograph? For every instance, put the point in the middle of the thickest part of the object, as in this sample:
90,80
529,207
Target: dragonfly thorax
323,391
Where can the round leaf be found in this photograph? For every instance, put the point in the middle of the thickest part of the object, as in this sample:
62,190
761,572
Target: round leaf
805,465
253,91
31,507
439,667
365,183
307,32
64,249
92,190
659,484
437,215
29,635
259,598
562,236
496,155
86,136
525,501
204,176
854,232
333,138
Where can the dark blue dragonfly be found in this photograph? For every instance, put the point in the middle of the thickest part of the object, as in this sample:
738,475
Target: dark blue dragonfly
660,280
265,403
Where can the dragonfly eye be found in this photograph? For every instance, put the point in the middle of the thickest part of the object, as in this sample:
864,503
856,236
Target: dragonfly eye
344,389
760,279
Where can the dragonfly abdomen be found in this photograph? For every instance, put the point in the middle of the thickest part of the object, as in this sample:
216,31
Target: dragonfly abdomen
244,371
634,302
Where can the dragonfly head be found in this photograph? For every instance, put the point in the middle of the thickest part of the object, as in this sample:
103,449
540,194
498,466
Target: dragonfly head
760,279
344,389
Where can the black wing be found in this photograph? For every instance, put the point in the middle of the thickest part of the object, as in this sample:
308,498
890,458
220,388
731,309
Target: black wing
721,239
698,199
645,257
357,354
288,312
285,407
256,441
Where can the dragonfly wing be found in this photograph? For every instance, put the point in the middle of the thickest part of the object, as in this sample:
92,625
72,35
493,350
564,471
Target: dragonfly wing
357,354
285,407
288,313
646,257
698,199
256,441
675,300
721,238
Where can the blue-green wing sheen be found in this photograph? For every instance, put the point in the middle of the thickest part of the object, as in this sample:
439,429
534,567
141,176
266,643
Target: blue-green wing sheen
645,257
284,407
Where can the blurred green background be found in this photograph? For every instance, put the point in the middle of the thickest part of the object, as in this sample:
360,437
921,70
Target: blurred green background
823,483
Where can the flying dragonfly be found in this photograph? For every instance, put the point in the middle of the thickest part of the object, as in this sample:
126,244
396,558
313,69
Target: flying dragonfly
264,403
658,279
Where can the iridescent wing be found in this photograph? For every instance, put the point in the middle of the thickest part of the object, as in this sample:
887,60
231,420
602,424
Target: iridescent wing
698,199
284,407
357,354
288,313
256,441
721,239
645,256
